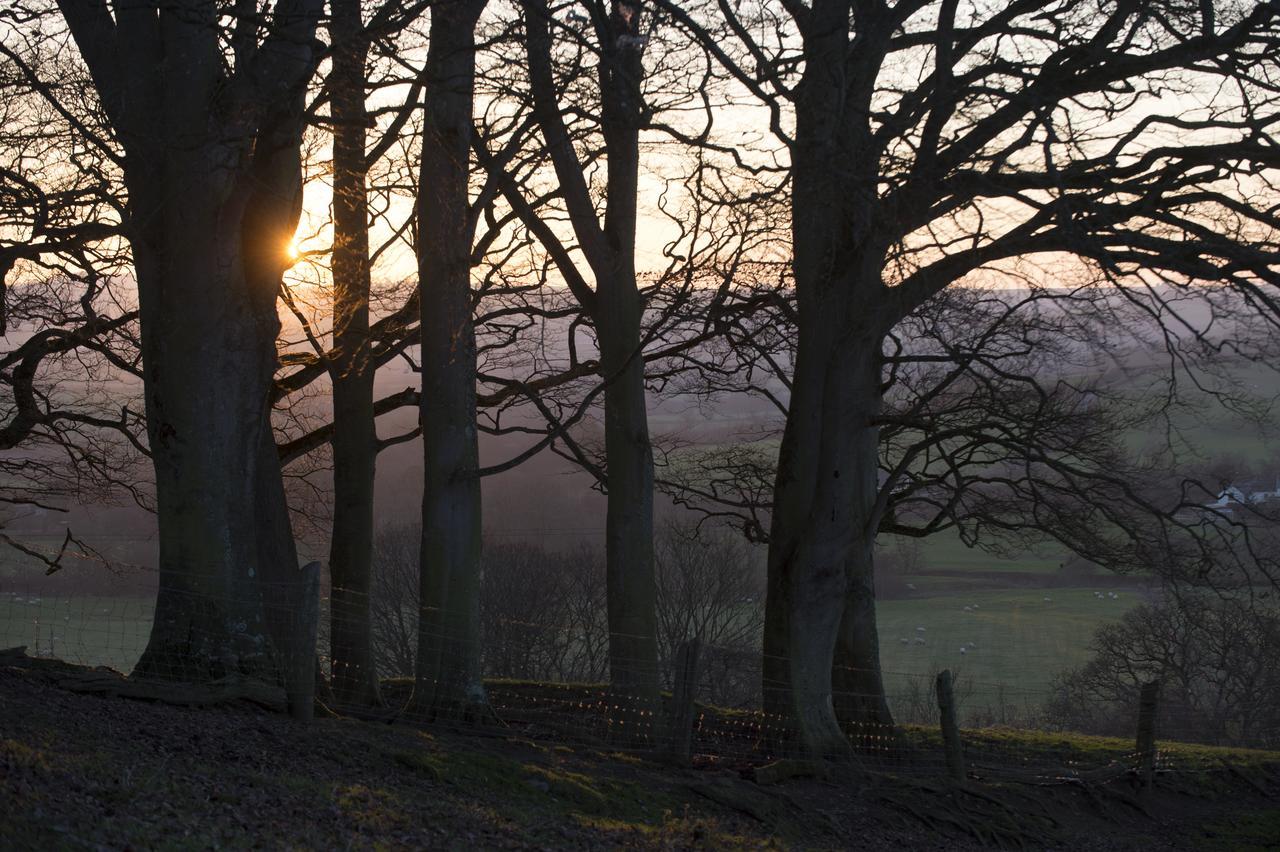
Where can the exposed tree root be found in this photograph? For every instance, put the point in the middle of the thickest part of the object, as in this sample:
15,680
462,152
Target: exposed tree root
746,799
780,770
109,682
1238,773
993,816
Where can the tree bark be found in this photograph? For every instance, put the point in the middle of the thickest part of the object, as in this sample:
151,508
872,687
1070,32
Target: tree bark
617,311
448,676
821,650
630,581
354,673
632,587
212,168
857,682
824,522
208,276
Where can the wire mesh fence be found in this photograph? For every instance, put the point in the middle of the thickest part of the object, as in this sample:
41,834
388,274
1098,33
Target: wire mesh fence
550,681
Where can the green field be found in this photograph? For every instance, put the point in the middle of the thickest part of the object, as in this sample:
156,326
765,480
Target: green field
945,551
1202,426
1020,641
1015,641
89,631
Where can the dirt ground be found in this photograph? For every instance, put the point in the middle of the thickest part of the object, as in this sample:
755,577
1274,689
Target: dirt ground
87,772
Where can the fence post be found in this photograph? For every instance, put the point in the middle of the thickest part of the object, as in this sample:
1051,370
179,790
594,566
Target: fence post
300,679
679,747
951,745
1147,703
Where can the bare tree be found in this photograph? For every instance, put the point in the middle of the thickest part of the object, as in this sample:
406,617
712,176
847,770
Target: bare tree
394,604
1215,660
709,589
448,674
615,308
925,143
70,424
351,368
206,125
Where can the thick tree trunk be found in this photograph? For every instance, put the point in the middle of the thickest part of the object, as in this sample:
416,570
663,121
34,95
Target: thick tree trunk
812,532
227,560
448,676
354,674
212,167
631,586
825,492
857,682
823,522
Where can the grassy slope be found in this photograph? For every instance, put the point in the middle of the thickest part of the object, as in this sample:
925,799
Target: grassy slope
82,772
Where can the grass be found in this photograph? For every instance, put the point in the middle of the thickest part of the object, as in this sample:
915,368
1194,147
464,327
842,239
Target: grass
945,551
86,630
1021,640
1202,424
1016,642
77,778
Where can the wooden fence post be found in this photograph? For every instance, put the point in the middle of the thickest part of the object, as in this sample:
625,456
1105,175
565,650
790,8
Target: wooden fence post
679,746
951,745
300,676
1147,704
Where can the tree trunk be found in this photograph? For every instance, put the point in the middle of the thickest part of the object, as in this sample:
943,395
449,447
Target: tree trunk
212,168
825,491
209,326
822,523
632,592
354,673
857,682
617,310
448,676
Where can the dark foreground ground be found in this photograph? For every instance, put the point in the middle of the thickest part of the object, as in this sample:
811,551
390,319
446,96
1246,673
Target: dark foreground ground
86,772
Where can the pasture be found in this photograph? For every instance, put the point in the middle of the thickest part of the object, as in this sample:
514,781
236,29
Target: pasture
1015,641
944,551
85,630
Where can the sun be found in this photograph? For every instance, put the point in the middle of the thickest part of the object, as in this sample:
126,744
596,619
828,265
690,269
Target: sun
292,251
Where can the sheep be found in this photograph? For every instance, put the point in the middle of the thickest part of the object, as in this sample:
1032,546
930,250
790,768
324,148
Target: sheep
919,629
975,606
968,609
962,650
919,640
1047,599
905,641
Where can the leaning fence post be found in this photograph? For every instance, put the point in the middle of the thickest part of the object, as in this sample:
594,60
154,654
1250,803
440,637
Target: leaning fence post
950,730
301,674
1147,702
679,747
